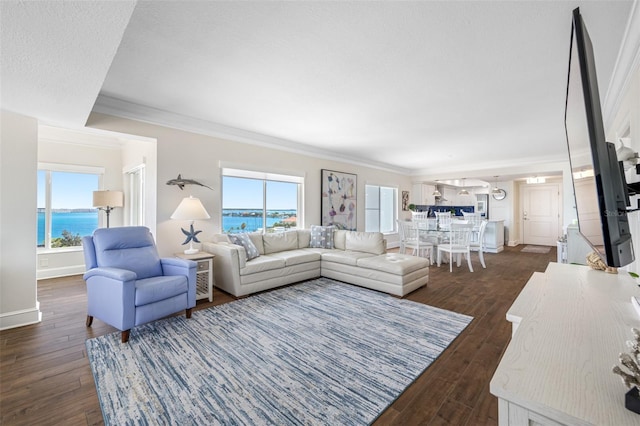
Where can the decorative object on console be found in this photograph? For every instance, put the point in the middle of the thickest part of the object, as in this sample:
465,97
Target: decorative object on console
180,182
107,201
190,208
631,361
339,199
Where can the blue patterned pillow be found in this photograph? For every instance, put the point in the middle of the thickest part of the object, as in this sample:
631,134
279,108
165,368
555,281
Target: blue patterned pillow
244,241
322,236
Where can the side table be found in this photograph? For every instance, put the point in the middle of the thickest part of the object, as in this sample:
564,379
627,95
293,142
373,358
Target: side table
204,273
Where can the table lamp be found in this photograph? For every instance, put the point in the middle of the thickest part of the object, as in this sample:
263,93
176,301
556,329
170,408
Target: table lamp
190,208
107,201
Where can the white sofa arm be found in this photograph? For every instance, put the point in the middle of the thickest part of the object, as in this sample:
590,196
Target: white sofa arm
227,263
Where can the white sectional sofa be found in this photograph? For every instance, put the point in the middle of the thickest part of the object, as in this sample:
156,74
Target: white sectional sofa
358,258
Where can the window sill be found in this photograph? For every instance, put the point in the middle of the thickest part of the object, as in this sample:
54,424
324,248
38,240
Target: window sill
58,250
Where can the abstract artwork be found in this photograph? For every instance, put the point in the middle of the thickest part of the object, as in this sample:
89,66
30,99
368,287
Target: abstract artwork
405,201
339,200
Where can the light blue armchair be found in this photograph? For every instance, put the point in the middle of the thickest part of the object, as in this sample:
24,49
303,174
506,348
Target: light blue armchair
128,284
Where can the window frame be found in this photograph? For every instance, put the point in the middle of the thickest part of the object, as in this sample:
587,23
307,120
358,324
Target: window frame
50,168
394,208
264,175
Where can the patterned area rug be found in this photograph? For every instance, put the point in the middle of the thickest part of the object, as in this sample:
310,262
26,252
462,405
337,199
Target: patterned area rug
320,352
535,249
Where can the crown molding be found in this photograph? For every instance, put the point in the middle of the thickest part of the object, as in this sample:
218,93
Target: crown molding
626,64
129,110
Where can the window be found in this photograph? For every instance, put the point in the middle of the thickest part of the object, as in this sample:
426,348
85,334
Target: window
260,201
65,210
380,208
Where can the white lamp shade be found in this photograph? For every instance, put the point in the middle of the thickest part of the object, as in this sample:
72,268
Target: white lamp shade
108,199
190,209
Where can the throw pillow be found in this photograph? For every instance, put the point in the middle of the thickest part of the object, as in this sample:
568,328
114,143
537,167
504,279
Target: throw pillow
244,241
322,236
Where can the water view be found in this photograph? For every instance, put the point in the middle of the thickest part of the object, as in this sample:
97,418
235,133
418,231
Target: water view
77,222
250,220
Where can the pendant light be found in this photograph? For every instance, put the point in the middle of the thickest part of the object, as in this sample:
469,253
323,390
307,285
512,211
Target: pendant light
436,193
495,189
463,191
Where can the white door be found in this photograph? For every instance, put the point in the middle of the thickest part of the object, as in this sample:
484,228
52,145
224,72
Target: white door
540,214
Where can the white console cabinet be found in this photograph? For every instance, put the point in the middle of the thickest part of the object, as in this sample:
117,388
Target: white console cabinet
568,326
494,236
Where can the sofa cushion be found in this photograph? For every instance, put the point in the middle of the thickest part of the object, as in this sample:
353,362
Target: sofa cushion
296,257
245,241
394,263
322,236
340,239
261,264
345,257
280,241
368,242
256,238
304,238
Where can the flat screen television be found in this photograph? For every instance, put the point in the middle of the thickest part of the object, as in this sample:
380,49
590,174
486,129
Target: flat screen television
600,189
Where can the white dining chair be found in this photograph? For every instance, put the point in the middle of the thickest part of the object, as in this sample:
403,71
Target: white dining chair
419,215
475,218
458,245
410,238
477,243
444,219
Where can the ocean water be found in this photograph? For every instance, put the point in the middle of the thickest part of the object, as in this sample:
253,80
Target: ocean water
232,219
83,223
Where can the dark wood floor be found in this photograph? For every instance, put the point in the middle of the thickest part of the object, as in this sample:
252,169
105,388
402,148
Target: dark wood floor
45,377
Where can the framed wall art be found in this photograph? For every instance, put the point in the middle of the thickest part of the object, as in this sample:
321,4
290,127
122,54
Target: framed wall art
339,199
405,201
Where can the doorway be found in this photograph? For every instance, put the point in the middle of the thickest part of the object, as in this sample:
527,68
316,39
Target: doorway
540,213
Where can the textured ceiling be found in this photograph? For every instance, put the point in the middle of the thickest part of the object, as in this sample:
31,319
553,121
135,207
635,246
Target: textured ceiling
423,87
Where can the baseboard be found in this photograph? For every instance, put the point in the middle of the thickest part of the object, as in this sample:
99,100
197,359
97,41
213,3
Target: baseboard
513,243
20,318
65,271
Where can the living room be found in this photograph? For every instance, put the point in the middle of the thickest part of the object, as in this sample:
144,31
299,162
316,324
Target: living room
197,150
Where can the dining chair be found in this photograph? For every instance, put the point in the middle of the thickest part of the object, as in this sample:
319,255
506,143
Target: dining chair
410,238
477,243
458,244
419,215
473,217
444,219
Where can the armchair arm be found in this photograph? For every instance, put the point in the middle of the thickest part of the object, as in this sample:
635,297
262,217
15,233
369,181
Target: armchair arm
177,266
112,273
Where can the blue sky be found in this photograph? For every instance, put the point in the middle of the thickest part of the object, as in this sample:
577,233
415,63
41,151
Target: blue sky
68,190
241,193
75,191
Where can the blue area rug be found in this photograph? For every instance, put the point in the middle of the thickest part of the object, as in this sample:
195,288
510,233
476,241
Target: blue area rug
320,352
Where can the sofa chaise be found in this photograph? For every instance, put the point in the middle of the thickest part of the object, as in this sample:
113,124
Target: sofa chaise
257,262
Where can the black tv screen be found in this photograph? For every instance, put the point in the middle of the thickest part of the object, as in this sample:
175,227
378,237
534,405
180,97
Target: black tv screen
598,178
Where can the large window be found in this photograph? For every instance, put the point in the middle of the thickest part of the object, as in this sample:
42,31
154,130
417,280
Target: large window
380,208
65,198
259,201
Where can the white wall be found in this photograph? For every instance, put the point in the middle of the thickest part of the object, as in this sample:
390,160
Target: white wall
18,218
198,157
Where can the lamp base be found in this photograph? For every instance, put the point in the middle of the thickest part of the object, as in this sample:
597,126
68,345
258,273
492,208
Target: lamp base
191,251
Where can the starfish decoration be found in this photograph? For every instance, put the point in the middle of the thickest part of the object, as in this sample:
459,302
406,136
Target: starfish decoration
191,235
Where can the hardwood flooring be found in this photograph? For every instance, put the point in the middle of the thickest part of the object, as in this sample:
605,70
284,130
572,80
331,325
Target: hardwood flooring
45,378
